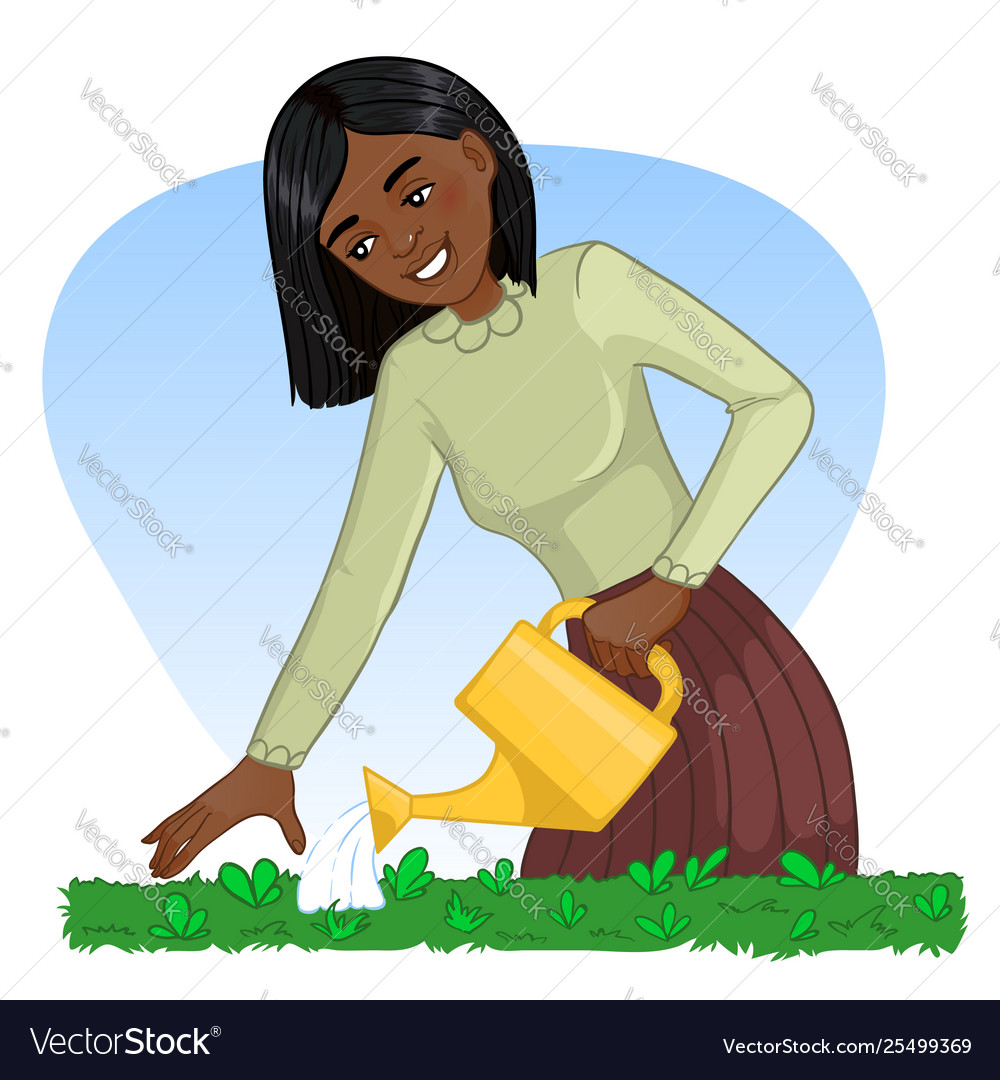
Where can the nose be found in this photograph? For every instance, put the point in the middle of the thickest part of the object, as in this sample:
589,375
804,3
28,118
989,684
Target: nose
403,245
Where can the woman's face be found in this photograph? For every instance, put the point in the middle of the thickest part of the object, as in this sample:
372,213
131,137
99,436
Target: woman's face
412,215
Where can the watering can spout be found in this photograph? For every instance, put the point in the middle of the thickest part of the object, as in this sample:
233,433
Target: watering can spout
391,807
570,747
497,797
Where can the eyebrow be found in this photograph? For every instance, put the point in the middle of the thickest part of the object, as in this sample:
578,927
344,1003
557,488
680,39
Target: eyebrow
390,181
347,223
396,173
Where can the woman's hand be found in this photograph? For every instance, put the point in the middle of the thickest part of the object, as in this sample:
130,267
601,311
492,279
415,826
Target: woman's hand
620,631
250,790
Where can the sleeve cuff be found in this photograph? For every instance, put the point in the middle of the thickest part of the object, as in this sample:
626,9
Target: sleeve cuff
678,574
278,756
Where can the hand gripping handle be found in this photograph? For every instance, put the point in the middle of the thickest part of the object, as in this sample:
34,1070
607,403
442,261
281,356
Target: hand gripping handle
659,661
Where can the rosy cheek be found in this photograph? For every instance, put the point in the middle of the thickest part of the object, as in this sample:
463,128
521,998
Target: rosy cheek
453,199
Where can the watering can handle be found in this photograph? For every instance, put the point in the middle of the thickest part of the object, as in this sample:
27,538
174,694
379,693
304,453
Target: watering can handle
658,659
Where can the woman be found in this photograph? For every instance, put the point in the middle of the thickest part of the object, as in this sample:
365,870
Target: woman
400,206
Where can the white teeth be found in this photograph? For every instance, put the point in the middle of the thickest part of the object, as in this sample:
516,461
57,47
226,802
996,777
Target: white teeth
435,266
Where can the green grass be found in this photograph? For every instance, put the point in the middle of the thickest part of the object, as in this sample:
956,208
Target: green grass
763,916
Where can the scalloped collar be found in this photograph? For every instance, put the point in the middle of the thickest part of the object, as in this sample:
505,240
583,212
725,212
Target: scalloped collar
470,337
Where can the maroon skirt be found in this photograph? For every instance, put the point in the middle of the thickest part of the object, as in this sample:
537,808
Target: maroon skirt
760,763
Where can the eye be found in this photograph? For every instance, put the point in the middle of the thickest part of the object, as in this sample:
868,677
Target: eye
362,249
418,197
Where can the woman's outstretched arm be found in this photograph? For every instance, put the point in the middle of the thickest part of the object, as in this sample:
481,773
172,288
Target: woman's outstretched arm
398,474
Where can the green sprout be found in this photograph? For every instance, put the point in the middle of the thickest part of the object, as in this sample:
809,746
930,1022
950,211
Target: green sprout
668,927
568,915
696,876
654,881
938,907
338,926
801,930
503,880
463,918
257,891
181,922
803,871
412,877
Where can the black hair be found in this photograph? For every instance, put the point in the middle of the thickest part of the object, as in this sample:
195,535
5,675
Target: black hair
304,162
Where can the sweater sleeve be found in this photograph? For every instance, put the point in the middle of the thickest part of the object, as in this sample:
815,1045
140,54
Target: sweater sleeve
641,318
397,478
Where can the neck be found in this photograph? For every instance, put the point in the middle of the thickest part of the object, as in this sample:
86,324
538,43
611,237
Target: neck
482,300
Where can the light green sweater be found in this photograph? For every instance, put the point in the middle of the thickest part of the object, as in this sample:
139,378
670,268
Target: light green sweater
540,412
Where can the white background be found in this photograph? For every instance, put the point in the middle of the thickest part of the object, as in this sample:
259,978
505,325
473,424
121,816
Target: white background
903,641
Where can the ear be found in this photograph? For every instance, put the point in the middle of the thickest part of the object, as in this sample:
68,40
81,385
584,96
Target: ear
479,151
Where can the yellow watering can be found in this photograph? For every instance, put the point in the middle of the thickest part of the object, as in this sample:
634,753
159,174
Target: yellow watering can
571,747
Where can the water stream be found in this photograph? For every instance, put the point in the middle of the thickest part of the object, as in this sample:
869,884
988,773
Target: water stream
340,868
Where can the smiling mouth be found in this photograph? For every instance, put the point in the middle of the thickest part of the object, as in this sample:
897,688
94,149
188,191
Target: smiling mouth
435,264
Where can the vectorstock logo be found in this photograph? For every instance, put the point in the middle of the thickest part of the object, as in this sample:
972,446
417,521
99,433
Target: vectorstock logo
319,323
110,850
321,692
141,512
692,325
873,140
515,890
142,144
137,1040
866,867
140,874
871,506
511,513
664,669
507,141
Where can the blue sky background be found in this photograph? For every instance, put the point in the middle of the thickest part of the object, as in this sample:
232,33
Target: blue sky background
165,355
